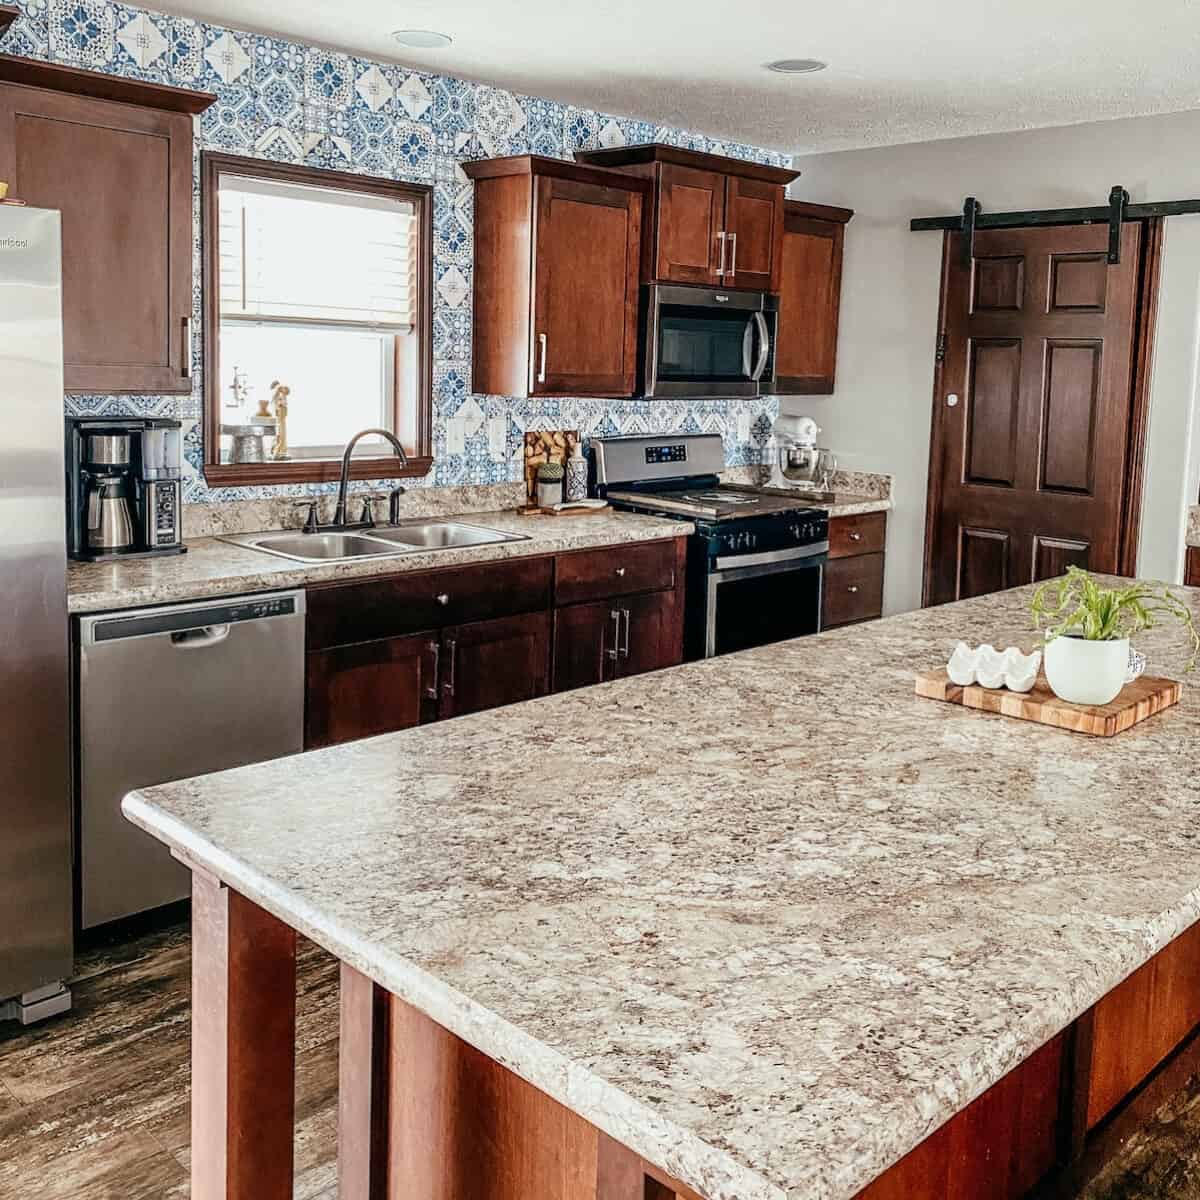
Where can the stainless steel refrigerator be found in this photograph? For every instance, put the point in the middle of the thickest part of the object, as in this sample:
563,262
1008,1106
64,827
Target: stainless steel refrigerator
35,793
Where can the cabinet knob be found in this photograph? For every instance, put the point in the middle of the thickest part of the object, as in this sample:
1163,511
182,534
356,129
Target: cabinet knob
443,598
852,589
621,572
855,536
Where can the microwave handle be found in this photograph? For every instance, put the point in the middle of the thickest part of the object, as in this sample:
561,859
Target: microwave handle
764,346
748,348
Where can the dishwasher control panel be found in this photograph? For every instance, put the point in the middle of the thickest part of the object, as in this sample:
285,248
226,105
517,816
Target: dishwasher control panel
167,620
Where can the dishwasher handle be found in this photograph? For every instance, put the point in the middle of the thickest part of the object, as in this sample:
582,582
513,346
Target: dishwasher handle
200,638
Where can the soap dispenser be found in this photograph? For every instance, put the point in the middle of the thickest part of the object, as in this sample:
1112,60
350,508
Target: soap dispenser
576,486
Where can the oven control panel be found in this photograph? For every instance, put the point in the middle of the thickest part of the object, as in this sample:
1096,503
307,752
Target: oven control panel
659,454
765,534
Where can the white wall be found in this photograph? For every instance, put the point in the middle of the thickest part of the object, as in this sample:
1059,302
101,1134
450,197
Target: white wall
879,417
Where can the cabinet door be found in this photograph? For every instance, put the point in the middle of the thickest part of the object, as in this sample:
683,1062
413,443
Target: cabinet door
122,176
753,233
373,687
691,223
490,663
651,632
1192,578
810,290
586,258
586,642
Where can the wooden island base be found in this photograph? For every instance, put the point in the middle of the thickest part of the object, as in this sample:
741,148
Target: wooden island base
424,1116
421,1114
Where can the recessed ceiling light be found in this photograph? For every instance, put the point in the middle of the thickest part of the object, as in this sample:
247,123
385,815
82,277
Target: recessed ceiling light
422,39
796,66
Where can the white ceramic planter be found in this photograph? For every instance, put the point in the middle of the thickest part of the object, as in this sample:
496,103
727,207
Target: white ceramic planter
1083,672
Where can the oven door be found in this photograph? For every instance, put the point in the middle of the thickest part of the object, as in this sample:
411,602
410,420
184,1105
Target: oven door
700,342
762,598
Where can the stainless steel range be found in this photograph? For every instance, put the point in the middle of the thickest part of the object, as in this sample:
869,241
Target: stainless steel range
756,561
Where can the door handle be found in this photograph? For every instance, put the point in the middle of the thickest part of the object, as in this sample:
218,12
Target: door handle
625,644
436,651
721,243
187,347
200,639
764,346
732,254
541,377
452,649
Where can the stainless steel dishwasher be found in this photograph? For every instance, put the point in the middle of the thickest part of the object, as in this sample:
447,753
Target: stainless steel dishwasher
165,694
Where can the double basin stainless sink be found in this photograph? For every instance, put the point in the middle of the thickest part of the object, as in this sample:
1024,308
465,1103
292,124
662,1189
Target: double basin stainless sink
380,541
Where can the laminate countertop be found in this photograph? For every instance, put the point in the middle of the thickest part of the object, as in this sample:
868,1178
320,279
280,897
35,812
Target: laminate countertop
212,567
215,568
775,919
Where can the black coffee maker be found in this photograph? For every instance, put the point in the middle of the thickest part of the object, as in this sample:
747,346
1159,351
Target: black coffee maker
124,487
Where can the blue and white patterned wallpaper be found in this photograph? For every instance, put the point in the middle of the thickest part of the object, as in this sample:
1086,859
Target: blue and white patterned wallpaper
281,100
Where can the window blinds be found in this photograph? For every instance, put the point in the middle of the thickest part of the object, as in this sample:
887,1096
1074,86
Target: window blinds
294,253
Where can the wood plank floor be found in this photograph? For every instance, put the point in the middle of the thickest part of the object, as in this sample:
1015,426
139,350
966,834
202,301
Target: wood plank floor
94,1105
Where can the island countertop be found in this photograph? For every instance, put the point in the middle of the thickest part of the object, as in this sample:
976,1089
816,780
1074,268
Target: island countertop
767,919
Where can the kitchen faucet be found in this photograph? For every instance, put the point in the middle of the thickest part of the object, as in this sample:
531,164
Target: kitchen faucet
339,513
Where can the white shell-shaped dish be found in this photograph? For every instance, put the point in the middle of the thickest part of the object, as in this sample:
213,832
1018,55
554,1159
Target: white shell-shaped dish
992,668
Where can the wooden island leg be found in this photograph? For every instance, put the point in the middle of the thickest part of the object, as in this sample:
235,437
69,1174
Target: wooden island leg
424,1116
243,1047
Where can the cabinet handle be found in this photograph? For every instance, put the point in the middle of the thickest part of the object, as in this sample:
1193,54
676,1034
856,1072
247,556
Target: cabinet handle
621,572
432,690
615,617
721,265
732,254
853,589
187,347
442,598
541,378
625,644
452,650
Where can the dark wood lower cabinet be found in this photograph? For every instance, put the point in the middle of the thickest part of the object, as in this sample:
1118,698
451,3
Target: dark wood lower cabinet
372,687
389,653
627,635
1192,576
491,663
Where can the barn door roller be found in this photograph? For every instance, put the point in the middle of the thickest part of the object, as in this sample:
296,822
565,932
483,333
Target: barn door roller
1113,214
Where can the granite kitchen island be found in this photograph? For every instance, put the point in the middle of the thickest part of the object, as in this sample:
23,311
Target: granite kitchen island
752,928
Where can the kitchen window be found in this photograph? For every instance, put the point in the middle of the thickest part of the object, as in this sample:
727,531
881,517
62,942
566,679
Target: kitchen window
317,321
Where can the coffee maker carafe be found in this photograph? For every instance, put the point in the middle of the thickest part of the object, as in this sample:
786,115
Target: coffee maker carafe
123,487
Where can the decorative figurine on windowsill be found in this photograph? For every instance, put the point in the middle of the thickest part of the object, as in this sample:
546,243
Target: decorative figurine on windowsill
279,402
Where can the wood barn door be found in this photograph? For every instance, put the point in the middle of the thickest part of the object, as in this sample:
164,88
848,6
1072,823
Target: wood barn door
1035,449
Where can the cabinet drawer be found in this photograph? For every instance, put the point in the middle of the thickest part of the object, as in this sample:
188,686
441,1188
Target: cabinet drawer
853,590
865,533
615,571
1192,578
343,613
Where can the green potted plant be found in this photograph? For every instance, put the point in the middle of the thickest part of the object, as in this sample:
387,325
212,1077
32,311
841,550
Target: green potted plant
1087,628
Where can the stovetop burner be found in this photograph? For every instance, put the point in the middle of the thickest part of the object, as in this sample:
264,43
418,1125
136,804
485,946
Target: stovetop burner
719,503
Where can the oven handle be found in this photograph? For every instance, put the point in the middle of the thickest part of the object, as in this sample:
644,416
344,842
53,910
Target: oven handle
746,566
764,346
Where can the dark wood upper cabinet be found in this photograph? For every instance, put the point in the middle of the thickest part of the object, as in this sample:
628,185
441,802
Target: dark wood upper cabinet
810,293
691,215
715,220
121,173
557,252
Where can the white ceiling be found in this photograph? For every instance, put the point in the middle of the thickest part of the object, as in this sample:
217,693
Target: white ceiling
900,70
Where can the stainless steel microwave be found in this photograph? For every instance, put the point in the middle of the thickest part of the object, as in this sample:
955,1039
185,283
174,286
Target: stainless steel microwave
697,341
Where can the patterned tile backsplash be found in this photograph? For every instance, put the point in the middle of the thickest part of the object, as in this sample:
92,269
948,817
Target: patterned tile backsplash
281,100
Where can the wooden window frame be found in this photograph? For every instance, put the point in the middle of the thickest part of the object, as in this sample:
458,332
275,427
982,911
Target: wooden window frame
316,470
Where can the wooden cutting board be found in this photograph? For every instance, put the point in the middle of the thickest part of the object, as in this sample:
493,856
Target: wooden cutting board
1137,701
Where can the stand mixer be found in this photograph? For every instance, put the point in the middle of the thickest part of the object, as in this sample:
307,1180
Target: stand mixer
796,462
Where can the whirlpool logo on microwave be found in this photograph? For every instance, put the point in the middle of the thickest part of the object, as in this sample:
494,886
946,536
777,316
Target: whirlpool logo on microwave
14,243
